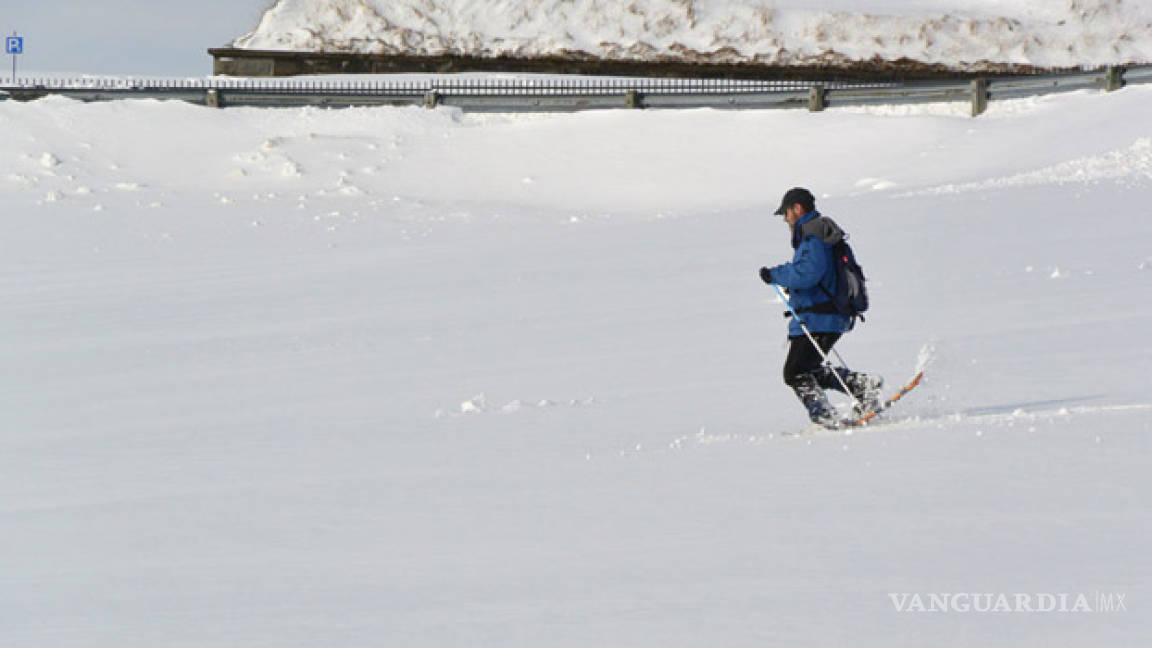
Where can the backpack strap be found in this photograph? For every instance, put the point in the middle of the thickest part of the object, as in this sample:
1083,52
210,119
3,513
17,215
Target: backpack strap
827,308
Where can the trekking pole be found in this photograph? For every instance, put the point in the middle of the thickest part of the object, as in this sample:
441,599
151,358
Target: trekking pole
824,356
837,354
793,313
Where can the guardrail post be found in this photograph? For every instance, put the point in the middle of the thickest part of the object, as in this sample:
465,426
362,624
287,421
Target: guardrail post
816,98
212,98
1113,78
979,96
632,99
431,99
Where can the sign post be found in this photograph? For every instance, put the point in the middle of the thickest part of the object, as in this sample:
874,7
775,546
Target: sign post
14,45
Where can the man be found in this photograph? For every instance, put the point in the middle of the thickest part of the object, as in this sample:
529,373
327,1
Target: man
810,278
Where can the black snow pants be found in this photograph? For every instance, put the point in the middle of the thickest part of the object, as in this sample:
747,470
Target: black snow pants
804,359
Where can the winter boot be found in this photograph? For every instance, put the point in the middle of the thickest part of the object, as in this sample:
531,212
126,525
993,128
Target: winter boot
808,389
865,388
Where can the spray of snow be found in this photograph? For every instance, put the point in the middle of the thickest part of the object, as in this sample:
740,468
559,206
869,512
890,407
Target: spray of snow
925,357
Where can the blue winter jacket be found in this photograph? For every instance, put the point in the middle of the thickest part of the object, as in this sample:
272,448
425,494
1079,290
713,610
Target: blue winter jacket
812,267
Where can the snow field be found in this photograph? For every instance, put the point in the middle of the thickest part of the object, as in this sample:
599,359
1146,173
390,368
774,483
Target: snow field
408,377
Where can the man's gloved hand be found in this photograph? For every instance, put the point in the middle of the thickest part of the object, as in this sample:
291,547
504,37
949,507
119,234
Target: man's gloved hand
766,275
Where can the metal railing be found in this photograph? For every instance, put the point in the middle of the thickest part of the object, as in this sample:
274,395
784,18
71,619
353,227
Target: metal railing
560,94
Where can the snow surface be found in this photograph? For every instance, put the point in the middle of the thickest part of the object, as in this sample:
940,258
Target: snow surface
400,377
959,33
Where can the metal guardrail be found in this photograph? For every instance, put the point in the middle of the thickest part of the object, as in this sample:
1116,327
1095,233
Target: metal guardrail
561,95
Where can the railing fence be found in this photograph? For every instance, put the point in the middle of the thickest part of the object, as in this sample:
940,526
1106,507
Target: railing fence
560,94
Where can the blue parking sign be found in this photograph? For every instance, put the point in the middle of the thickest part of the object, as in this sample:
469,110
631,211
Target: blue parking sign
14,45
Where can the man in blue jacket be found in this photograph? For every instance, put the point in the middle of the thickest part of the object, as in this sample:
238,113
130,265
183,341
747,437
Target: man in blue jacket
810,278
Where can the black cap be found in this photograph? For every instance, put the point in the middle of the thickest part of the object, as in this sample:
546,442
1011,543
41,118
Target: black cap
796,195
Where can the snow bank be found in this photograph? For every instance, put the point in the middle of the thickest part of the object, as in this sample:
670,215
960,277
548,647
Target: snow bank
961,33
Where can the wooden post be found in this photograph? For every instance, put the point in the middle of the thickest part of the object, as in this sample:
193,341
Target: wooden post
212,98
1113,78
632,99
431,99
979,96
816,98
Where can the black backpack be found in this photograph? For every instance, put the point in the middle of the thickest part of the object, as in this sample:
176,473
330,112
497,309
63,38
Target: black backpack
851,296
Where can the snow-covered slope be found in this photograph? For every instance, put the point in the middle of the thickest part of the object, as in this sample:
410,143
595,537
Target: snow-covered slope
960,33
399,377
